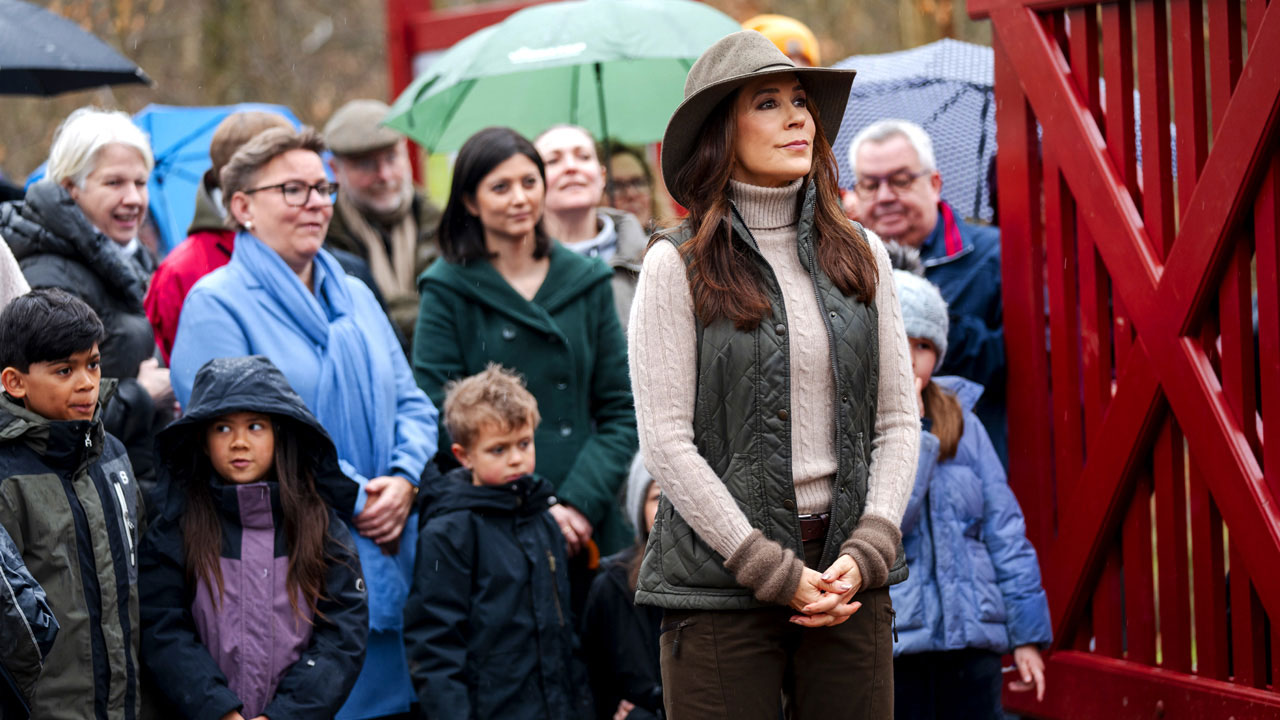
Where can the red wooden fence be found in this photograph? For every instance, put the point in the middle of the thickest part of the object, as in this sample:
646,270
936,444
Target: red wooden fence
1138,387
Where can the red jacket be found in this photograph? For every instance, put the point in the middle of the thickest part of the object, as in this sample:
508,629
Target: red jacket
200,254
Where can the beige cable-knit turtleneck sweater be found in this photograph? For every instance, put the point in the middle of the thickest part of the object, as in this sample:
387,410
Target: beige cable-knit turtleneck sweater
663,350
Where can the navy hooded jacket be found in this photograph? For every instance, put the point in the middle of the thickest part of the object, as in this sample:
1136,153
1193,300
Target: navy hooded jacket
253,625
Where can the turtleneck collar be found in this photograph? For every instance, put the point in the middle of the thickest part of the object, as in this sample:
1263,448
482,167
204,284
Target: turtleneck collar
765,208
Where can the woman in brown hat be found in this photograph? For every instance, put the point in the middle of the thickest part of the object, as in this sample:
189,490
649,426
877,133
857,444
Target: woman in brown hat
775,403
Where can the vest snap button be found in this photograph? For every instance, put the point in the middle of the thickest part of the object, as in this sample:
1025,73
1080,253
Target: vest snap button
780,329
844,398
783,414
789,504
833,314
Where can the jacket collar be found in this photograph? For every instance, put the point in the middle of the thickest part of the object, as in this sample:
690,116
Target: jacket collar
453,491
568,277
208,216
63,444
947,242
49,222
632,240
966,391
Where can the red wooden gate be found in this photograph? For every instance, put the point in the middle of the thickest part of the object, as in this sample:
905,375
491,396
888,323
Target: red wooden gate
1138,387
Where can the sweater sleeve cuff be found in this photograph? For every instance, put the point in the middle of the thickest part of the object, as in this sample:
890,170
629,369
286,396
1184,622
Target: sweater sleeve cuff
873,545
770,571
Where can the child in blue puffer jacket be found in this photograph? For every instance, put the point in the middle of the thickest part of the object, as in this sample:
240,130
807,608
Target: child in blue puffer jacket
973,592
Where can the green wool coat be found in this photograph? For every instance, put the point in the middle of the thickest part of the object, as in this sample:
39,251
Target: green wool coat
568,344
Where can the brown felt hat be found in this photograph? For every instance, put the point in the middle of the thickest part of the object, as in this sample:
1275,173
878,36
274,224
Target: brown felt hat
235,130
357,128
732,62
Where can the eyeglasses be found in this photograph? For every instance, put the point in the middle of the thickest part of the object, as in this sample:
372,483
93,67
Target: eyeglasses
868,185
297,193
633,185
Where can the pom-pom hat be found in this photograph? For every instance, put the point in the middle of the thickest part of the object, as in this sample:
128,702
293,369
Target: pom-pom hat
730,63
924,312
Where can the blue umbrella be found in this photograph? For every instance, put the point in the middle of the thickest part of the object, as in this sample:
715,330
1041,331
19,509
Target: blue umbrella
946,88
180,138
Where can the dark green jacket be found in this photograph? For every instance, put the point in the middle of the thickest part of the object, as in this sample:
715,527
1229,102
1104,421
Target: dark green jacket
70,502
742,428
569,347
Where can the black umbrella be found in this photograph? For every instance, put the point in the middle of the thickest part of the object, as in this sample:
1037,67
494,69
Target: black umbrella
45,54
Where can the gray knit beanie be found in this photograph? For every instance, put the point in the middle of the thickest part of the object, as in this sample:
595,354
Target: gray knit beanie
638,481
924,312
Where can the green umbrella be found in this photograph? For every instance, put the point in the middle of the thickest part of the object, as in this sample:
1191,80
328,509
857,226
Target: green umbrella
615,67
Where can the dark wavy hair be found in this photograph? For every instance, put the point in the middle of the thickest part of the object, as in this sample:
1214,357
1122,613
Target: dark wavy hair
722,277
306,522
461,235
45,325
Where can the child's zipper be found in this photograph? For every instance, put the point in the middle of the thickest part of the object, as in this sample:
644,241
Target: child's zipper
555,590
124,519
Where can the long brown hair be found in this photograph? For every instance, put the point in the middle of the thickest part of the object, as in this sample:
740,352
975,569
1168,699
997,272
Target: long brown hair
724,281
944,410
306,523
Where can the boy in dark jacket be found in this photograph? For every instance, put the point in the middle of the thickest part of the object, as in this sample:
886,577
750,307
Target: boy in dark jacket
69,500
487,623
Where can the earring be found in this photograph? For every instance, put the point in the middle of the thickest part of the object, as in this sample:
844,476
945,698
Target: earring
248,225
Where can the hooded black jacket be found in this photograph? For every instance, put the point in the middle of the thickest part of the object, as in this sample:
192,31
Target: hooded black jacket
620,643
317,683
487,624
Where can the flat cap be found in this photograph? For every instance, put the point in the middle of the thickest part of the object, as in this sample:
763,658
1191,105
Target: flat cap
357,128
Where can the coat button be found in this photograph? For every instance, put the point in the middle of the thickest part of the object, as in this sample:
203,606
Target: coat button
562,385
508,333
789,504
783,414
780,329
844,399
832,314
566,429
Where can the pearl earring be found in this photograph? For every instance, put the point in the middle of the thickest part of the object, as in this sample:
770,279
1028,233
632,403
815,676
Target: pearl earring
248,225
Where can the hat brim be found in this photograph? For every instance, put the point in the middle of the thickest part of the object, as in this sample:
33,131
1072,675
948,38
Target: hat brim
827,88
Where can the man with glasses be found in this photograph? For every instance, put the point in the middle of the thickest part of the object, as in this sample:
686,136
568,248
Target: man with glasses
378,215
897,193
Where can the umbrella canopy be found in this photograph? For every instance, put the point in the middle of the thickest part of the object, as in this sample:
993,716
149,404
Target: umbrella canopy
615,67
180,138
45,54
946,88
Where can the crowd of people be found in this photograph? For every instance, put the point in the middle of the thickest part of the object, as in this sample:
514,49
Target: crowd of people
558,449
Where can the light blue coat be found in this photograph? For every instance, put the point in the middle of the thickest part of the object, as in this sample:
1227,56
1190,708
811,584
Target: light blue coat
355,378
974,579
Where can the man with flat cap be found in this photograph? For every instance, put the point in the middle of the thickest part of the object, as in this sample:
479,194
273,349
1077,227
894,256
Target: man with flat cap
379,216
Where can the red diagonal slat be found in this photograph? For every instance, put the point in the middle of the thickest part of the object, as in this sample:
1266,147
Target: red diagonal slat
1162,311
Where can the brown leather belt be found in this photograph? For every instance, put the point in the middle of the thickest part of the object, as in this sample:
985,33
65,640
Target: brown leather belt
814,527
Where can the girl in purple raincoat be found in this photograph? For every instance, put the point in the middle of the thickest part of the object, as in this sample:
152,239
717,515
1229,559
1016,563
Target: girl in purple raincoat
252,601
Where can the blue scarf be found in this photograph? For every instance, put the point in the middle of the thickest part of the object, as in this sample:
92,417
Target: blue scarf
355,399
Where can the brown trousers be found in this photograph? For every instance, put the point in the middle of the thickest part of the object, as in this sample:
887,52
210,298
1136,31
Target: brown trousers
740,664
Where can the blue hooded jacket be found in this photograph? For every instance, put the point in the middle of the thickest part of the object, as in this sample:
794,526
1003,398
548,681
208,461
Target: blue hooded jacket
974,579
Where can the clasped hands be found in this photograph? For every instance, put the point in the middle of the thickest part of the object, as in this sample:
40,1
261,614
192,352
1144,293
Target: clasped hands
826,599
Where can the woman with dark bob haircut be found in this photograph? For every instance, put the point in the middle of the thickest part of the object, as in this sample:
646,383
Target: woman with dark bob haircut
506,293
775,404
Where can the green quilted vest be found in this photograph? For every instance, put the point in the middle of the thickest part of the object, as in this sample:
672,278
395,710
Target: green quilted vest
742,428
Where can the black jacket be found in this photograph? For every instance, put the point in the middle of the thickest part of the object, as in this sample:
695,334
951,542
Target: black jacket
487,624
56,246
27,631
620,643
317,683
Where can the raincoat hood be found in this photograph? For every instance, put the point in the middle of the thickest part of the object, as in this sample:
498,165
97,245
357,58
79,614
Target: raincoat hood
246,384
